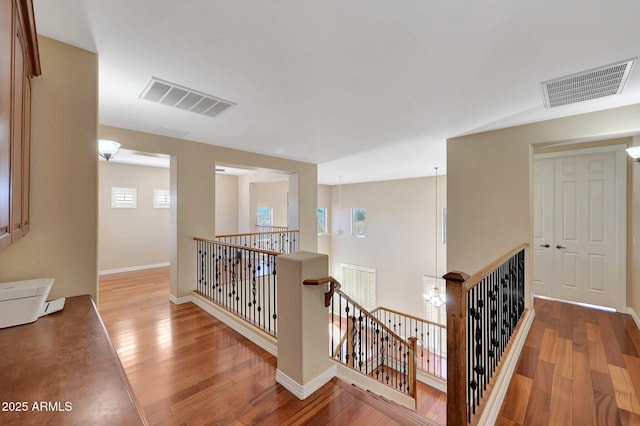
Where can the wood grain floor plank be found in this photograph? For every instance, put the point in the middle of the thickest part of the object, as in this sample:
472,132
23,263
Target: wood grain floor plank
548,345
583,404
591,377
625,393
561,400
517,398
188,368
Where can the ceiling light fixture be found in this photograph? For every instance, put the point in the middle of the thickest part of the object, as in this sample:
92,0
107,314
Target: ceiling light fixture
435,296
107,148
634,152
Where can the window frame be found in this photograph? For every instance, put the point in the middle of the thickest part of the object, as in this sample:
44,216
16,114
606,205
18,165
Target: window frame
117,203
354,232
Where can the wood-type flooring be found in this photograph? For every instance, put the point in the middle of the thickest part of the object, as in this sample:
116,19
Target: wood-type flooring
579,366
188,368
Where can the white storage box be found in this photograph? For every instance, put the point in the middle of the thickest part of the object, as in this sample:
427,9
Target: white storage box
21,301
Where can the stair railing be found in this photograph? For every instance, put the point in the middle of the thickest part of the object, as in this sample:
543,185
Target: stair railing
483,312
362,342
431,339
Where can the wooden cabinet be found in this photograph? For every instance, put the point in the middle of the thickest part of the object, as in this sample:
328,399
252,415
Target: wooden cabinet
19,62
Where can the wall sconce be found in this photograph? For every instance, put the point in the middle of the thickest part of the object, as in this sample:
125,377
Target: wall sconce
634,152
107,148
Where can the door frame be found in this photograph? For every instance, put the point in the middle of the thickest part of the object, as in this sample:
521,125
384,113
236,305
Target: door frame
620,288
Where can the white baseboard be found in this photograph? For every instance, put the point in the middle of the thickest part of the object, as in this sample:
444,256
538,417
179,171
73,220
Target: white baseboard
265,341
432,381
363,381
133,268
180,300
304,391
502,381
634,315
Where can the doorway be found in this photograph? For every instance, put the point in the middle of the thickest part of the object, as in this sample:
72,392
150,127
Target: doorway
579,226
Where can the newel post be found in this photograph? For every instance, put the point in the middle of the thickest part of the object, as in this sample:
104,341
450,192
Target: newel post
456,348
303,335
413,341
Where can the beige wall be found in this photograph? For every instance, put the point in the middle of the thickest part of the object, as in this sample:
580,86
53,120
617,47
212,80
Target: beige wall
226,204
400,240
271,195
489,194
192,169
132,237
62,242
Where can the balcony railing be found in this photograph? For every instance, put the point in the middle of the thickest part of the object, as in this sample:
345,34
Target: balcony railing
483,312
240,279
362,342
281,240
431,339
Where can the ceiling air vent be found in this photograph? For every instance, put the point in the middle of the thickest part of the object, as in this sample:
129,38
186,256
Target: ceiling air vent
587,85
173,95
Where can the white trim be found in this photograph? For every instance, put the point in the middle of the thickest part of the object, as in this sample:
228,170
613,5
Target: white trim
503,379
433,381
581,151
265,341
134,268
180,300
634,315
354,377
304,391
620,290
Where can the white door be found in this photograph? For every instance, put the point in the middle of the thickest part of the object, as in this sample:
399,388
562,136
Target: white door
577,212
543,255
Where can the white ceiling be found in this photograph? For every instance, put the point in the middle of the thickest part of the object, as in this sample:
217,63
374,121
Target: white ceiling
367,89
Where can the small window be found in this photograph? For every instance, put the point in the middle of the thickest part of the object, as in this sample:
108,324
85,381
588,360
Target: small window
322,221
265,216
124,198
357,221
359,283
161,199
432,313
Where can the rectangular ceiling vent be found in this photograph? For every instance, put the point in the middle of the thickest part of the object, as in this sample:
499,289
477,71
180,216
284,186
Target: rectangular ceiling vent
587,85
173,95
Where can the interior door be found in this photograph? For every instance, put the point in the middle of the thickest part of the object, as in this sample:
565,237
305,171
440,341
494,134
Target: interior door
543,251
576,214
585,228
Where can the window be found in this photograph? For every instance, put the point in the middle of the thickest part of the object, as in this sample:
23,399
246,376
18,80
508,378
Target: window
161,199
432,313
264,216
359,282
357,221
322,221
124,198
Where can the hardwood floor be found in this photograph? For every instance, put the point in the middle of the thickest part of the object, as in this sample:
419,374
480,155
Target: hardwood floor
579,366
187,368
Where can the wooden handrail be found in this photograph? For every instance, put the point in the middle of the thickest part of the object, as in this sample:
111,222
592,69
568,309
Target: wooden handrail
329,294
256,233
474,279
222,243
379,308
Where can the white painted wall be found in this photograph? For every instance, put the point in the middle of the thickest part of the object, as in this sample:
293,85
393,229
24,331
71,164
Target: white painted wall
132,238
400,240
226,204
